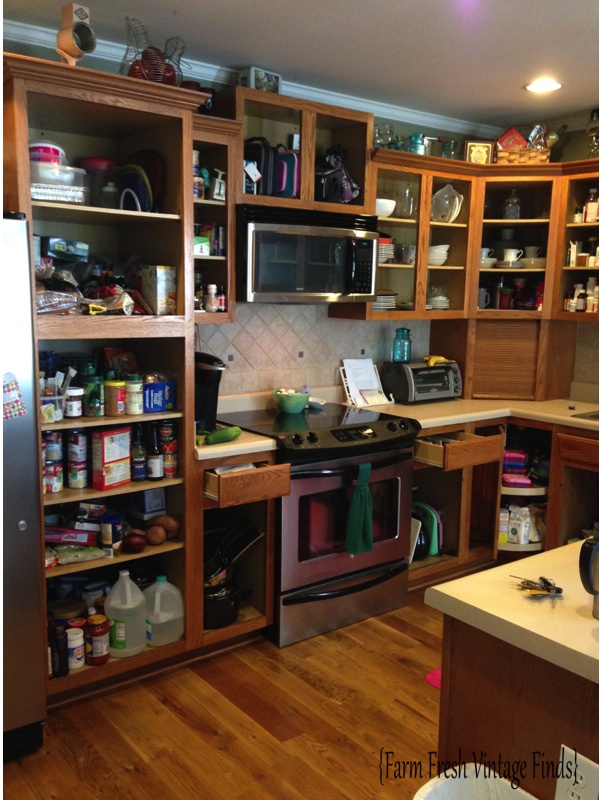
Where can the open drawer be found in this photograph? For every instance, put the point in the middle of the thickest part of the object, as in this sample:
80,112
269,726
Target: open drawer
247,483
457,450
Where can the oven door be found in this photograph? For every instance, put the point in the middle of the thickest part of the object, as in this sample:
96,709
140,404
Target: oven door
313,518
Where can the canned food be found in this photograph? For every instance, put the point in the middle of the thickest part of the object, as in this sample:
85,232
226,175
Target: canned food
54,448
77,474
53,476
77,445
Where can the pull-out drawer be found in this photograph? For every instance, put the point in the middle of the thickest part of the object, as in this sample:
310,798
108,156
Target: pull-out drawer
248,484
457,450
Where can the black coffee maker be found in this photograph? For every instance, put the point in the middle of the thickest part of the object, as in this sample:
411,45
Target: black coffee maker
208,371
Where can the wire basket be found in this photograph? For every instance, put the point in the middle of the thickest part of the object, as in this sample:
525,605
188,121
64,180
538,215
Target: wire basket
147,62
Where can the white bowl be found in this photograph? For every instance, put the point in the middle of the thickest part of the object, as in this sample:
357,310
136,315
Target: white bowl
442,247
437,261
384,207
488,262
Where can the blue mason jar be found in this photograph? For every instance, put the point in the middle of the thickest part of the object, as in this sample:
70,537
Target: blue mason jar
401,346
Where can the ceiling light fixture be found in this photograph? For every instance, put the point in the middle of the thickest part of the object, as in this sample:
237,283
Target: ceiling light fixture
543,85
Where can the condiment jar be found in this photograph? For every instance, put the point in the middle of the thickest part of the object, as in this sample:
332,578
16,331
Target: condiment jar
74,404
76,648
96,640
93,398
114,393
134,394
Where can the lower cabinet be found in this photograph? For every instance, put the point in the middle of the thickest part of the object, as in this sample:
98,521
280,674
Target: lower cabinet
457,474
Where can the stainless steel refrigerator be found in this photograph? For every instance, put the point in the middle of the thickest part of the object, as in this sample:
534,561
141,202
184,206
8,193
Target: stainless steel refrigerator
25,638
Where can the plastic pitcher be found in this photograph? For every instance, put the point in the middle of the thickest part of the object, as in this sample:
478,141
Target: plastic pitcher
164,613
125,609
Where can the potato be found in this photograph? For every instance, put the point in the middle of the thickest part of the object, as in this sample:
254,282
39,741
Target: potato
156,535
170,524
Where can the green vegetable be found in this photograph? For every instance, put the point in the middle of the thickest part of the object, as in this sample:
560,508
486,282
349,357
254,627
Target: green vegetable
222,435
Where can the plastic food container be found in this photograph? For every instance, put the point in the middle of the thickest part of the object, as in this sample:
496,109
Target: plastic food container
47,152
57,183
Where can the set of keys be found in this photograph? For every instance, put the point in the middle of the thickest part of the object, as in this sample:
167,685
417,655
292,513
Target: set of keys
542,587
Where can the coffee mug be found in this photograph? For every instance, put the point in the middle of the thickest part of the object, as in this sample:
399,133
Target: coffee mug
533,252
512,254
483,298
505,298
409,253
487,252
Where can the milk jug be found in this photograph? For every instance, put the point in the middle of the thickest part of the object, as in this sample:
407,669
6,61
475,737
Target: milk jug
164,613
125,609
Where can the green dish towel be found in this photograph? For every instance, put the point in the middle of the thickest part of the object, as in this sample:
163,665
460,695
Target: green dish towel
359,526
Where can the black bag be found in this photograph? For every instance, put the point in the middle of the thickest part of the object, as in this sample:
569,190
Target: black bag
333,183
258,149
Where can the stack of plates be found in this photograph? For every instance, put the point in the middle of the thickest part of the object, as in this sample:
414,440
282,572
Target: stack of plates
385,301
386,251
438,302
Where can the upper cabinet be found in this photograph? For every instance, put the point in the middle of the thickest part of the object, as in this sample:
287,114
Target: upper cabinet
426,242
577,242
306,130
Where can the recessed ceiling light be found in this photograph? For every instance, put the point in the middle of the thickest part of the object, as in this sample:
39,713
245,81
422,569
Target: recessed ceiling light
542,85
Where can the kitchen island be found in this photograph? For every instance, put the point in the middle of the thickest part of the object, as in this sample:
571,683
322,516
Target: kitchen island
519,674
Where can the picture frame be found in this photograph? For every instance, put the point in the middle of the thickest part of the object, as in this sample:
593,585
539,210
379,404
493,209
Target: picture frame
479,152
262,79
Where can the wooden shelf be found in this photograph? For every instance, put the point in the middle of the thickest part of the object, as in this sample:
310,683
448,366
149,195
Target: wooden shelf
79,495
96,422
76,326
535,491
123,558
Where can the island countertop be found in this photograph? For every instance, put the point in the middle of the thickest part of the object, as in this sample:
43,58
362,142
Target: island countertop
560,630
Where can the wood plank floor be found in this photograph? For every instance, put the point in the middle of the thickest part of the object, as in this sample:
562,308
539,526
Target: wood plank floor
307,721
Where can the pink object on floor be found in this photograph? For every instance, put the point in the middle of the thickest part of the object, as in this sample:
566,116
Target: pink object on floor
435,678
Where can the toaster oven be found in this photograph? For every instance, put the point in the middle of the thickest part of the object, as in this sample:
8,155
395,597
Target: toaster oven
415,382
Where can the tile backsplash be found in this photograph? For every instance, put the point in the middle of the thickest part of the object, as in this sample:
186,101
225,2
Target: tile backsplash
289,345
269,346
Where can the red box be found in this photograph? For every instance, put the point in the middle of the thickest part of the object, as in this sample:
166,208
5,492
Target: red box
111,453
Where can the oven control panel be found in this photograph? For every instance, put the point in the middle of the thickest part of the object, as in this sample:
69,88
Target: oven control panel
370,436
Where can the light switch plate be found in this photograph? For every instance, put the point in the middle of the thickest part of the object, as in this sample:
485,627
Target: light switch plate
580,781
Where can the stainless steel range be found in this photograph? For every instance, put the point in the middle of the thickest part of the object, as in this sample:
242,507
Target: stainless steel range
334,451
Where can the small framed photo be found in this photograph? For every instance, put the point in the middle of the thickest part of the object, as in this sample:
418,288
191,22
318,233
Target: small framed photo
479,152
256,78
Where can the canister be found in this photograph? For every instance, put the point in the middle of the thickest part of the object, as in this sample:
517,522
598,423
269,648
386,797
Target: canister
54,449
76,648
77,474
53,476
77,445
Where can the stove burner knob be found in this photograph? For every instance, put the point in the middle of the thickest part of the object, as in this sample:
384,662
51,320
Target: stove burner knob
404,424
391,426
297,439
312,437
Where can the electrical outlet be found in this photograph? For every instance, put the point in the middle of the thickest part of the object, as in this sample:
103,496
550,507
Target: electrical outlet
579,780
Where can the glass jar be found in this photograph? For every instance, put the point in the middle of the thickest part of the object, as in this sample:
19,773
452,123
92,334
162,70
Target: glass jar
512,206
402,346
416,143
211,304
449,148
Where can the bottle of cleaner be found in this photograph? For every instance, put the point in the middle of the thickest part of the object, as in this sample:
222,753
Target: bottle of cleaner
125,609
164,613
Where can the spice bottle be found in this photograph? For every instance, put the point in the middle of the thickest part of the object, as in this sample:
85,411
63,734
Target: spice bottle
154,457
590,209
222,299
210,301
76,648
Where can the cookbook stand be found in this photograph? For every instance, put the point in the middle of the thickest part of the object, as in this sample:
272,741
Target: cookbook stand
362,383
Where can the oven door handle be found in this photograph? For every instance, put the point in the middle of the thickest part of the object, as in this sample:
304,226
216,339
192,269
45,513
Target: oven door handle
352,471
359,587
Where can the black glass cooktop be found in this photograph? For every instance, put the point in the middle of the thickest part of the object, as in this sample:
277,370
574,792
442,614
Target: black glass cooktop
326,430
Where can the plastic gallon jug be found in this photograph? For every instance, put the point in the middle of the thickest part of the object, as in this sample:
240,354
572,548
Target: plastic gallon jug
125,609
164,613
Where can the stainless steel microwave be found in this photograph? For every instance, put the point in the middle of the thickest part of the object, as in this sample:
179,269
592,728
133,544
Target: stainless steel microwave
415,382
299,256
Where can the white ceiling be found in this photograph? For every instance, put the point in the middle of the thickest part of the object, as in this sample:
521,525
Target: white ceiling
461,60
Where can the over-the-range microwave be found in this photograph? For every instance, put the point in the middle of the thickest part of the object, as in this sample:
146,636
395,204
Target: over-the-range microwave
301,256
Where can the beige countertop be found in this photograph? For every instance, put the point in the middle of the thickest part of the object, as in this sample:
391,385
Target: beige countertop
560,630
430,415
